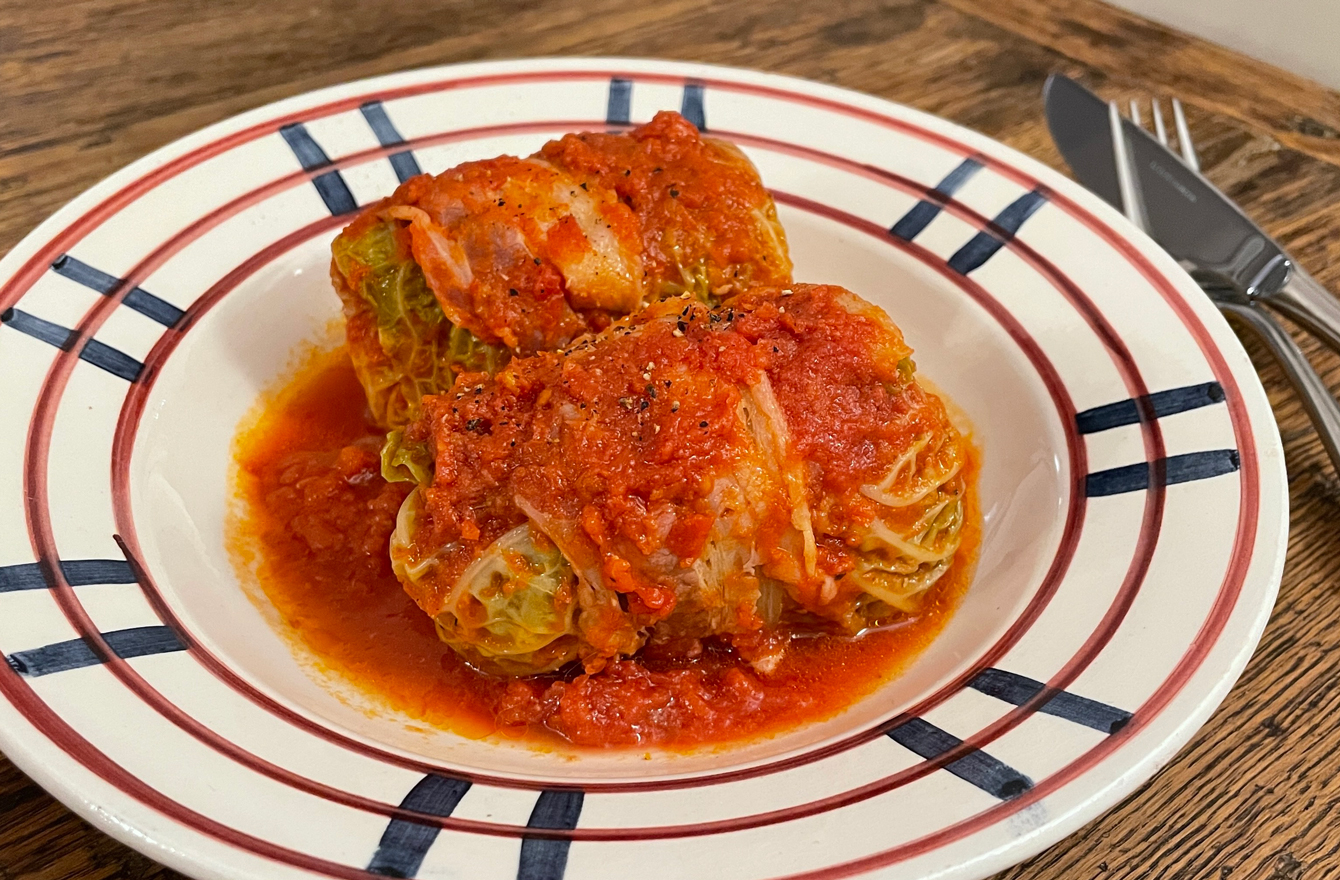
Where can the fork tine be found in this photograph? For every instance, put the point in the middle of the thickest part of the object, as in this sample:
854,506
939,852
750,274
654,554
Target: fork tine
1184,136
1135,113
1159,130
1130,198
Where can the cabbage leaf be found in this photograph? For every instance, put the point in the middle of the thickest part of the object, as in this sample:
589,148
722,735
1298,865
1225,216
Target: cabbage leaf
415,350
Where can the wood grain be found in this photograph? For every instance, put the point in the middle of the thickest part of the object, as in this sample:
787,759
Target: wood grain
88,86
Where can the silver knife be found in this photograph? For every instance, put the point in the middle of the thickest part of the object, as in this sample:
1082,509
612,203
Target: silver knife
1191,219
1102,151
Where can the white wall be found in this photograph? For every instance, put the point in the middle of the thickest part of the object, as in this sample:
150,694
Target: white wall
1299,35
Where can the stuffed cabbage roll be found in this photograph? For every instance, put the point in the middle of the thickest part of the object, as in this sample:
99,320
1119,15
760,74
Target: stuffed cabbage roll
750,471
459,271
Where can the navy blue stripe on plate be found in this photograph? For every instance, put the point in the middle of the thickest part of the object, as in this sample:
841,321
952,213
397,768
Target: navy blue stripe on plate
139,641
1163,403
619,107
977,767
691,106
924,211
543,859
403,163
1176,469
78,573
330,185
96,353
405,843
983,246
138,299
1017,689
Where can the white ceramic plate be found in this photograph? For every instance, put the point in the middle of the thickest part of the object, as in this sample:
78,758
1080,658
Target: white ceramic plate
1133,491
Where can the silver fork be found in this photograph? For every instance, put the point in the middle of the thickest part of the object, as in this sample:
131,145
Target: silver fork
1316,398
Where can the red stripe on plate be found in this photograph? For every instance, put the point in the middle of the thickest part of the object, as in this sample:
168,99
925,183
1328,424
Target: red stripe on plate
123,449
1248,475
126,525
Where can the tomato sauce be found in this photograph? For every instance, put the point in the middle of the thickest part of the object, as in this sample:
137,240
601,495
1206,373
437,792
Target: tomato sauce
699,201
313,529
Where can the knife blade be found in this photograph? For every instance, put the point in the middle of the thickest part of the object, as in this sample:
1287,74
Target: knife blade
1181,210
1208,234
1186,215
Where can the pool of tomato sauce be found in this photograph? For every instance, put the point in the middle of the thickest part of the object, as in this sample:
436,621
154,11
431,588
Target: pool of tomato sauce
312,528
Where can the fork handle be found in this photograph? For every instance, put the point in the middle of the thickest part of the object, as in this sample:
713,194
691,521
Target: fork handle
1304,300
1316,398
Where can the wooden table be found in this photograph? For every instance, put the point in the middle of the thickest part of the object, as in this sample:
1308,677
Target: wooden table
88,86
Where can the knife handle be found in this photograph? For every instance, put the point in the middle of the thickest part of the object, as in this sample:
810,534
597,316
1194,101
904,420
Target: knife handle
1316,398
1303,300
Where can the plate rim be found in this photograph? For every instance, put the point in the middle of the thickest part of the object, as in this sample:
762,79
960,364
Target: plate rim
1221,336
